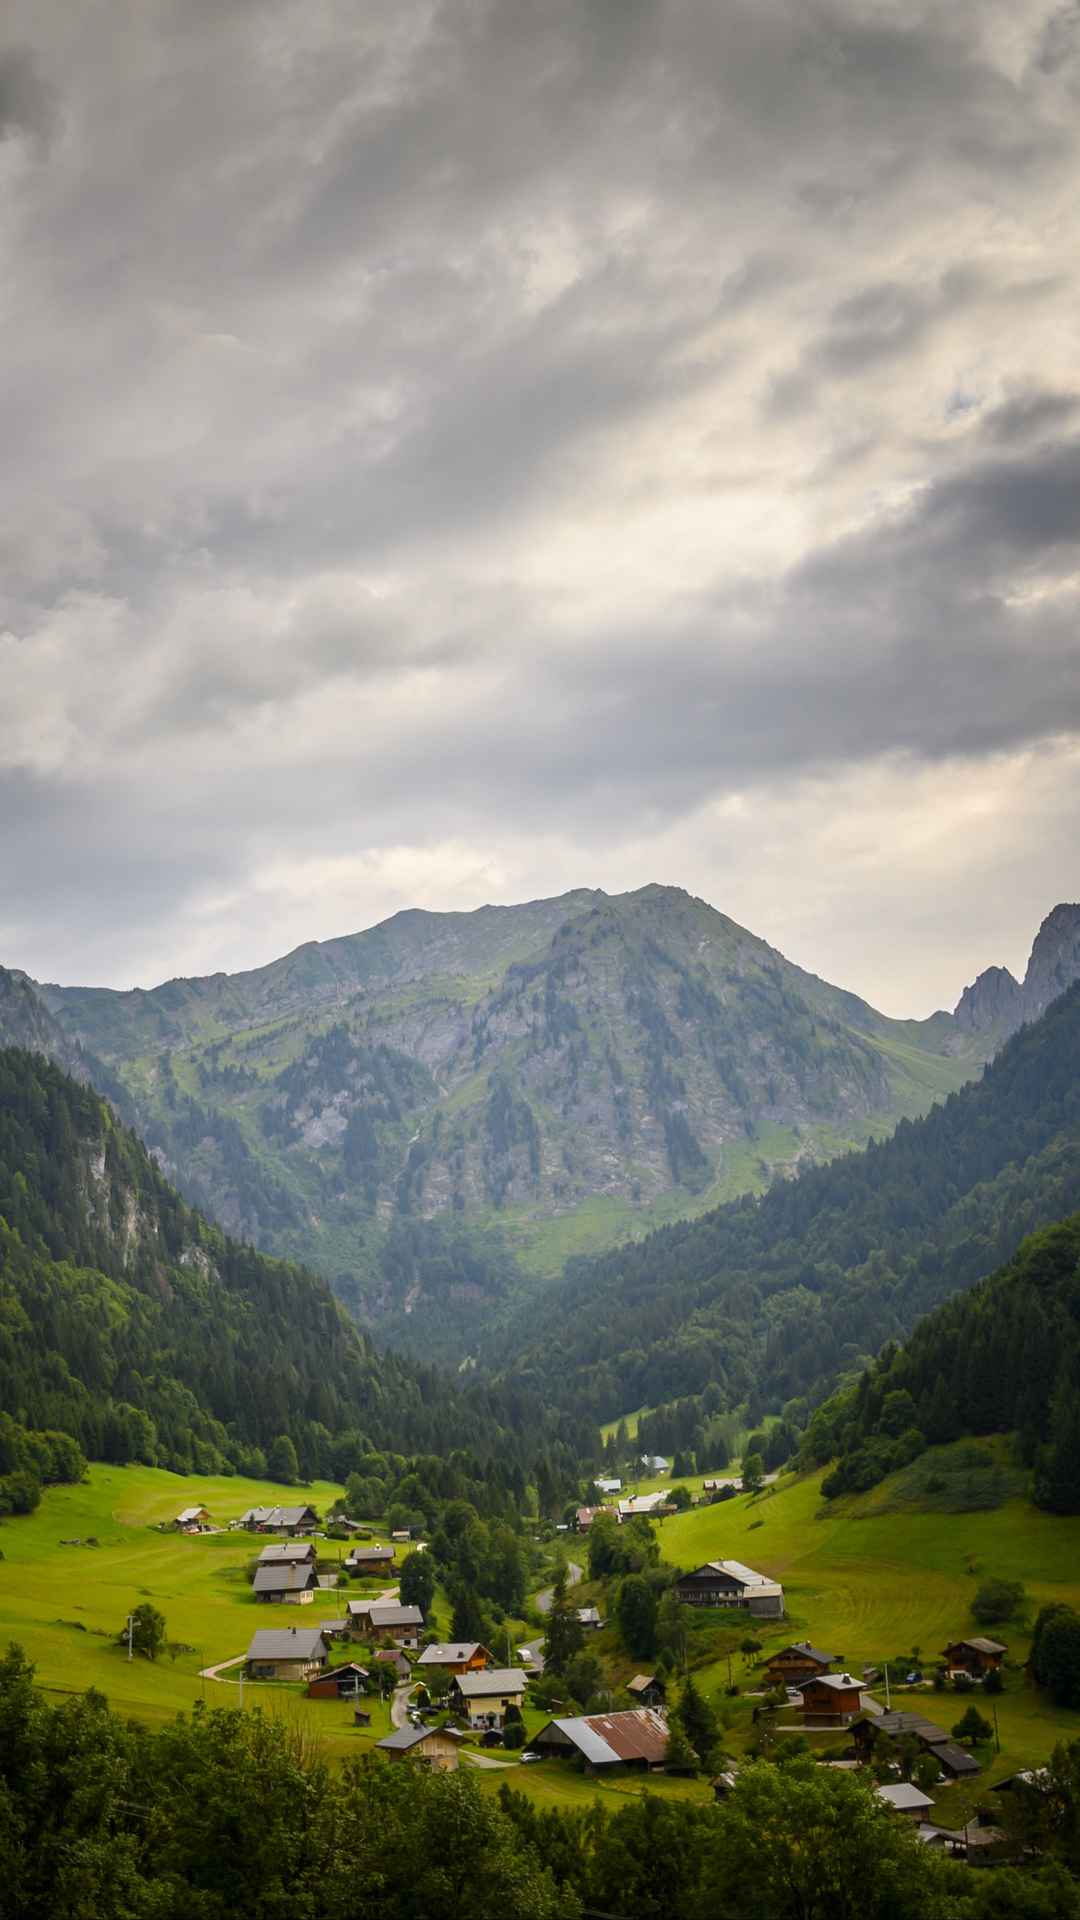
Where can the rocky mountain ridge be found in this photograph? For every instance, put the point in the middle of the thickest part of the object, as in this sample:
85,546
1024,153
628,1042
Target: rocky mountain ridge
998,1004
415,1108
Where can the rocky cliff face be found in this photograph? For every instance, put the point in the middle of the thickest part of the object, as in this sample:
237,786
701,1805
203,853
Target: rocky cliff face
996,1004
992,1001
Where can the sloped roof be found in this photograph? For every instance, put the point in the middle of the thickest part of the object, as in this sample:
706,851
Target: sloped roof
443,1654
731,1570
362,1552
391,1614
479,1686
287,1643
904,1797
641,1682
287,1577
189,1513
279,1552
403,1738
636,1733
806,1652
981,1645
955,1759
837,1682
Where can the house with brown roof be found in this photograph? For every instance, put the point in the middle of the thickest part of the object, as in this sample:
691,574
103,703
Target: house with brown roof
798,1662
830,1699
584,1517
393,1658
430,1746
977,1656
636,1737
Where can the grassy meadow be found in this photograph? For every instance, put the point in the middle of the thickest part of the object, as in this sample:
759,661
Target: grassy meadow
870,1578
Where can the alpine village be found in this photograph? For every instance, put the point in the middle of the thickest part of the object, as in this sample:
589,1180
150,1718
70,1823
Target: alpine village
738,1570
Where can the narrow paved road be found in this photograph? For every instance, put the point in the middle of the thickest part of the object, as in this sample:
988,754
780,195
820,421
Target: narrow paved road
544,1599
218,1672
399,1704
485,1760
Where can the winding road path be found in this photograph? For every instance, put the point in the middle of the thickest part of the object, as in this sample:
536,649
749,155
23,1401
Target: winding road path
545,1598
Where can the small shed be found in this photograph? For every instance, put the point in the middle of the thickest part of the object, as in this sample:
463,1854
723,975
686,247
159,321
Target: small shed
339,1683
431,1746
647,1690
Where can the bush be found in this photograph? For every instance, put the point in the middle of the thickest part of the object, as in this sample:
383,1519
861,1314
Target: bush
998,1600
513,1733
993,1682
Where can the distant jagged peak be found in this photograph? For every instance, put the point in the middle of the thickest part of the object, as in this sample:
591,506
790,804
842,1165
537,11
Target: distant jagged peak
1055,959
991,1000
997,1003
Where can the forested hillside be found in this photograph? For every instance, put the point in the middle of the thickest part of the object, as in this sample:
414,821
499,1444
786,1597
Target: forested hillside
1003,1358
781,1295
509,1086
132,1325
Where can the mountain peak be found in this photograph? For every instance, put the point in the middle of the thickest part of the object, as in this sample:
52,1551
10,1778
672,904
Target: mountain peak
997,1003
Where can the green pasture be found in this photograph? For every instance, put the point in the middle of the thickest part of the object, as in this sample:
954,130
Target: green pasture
869,1581
66,1604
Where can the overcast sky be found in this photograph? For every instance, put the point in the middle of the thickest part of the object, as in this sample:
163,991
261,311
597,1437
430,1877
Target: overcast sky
459,452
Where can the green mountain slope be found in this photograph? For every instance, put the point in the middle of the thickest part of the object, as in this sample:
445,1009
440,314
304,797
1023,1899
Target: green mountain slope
129,1322
424,1109
780,1295
1003,1358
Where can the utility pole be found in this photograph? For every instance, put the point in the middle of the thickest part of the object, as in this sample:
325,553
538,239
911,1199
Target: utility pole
888,1698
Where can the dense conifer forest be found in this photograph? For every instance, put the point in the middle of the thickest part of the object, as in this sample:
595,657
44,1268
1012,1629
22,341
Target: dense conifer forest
130,1324
1003,1358
781,1296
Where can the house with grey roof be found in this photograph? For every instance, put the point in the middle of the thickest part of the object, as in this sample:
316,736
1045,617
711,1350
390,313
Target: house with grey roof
484,1697
284,1552
286,1653
728,1583
295,1582
434,1747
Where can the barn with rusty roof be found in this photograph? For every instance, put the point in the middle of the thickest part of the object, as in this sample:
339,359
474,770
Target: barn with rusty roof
637,1737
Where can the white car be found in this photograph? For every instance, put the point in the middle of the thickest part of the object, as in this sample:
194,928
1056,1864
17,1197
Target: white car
526,1757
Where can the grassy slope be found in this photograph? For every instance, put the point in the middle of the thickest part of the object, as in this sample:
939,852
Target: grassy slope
871,1581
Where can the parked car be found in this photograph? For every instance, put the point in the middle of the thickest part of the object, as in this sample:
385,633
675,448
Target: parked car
529,1755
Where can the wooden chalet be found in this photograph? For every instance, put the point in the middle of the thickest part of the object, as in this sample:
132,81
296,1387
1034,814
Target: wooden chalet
192,1520
458,1656
977,1656
393,1658
830,1699
868,1729
291,1520
369,1560
280,1553
584,1517
430,1746
727,1583
292,1582
798,1662
340,1683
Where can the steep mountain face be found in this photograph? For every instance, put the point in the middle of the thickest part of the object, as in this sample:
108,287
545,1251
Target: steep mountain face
131,1323
517,1082
779,1296
996,1004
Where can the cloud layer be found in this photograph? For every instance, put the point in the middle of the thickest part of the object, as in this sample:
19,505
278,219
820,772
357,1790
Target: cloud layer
458,451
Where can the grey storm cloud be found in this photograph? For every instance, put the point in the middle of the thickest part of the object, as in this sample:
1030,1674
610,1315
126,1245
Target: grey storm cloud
444,429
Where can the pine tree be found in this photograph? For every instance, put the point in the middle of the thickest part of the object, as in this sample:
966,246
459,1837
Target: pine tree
1057,1483
697,1720
565,1633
